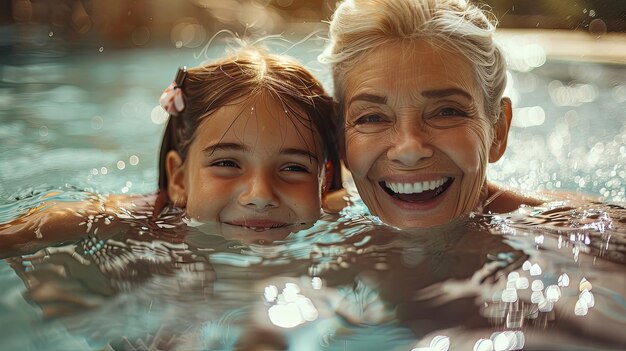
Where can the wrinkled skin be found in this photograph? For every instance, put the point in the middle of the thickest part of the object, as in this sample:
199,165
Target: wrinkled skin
414,113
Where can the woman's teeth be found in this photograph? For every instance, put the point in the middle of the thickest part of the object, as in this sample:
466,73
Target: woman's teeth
417,187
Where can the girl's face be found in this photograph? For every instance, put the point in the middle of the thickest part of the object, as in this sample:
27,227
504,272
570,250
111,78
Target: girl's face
252,171
417,137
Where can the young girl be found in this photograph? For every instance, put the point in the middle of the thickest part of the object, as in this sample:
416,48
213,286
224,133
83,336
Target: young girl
249,149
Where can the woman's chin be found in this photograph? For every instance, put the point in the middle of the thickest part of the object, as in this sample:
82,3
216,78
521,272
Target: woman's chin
415,222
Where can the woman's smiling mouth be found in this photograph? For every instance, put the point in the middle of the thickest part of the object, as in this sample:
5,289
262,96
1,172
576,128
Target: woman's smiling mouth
417,191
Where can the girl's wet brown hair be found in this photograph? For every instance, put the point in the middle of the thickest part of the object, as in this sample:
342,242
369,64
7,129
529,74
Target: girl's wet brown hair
247,73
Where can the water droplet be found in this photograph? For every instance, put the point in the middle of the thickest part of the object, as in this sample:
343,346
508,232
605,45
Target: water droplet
483,345
101,49
535,270
513,276
158,115
271,293
50,34
97,122
537,297
521,283
584,284
563,280
121,165
597,27
553,293
440,343
133,160
545,306
509,295
588,298
581,308
501,342
43,131
316,283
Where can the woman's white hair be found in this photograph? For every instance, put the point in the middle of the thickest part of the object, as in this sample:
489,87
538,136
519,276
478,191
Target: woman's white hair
360,26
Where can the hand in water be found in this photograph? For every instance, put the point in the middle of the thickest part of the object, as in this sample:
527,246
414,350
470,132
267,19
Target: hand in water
61,282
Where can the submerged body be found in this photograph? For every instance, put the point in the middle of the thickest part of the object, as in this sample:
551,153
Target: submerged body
548,275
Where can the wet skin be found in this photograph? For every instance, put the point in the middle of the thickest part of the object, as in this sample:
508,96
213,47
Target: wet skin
252,173
417,136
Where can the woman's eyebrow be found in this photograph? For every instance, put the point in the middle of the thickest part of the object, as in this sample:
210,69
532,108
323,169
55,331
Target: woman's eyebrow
377,99
440,93
225,147
299,152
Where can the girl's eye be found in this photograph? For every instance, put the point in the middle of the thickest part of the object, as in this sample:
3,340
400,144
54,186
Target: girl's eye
225,163
295,168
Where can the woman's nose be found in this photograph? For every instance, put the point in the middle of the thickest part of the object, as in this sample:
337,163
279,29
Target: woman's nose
259,193
409,145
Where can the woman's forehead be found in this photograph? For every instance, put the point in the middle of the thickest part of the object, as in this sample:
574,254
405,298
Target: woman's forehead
418,65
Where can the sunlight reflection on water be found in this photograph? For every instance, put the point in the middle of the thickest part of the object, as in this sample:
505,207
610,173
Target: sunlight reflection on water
90,123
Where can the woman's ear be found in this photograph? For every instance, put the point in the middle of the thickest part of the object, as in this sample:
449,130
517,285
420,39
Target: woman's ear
501,130
176,179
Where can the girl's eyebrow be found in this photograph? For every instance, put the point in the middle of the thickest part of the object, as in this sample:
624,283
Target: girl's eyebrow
299,152
243,148
225,147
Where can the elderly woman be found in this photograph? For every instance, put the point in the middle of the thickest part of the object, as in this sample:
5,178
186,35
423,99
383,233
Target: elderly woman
420,86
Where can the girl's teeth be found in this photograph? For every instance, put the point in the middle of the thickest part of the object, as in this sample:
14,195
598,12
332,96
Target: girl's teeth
417,187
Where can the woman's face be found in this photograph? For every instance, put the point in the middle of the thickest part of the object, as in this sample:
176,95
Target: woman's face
417,137
251,173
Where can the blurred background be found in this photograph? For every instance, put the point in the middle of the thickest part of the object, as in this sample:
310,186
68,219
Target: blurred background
85,24
80,81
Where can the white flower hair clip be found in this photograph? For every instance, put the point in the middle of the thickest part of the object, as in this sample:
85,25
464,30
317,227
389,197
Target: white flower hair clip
172,98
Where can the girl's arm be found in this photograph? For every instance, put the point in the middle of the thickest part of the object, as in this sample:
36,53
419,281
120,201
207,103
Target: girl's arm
54,223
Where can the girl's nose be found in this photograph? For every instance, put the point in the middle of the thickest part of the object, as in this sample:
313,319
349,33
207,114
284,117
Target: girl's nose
410,144
259,193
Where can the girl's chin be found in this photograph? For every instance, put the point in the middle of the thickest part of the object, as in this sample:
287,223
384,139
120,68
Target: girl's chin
256,238
258,235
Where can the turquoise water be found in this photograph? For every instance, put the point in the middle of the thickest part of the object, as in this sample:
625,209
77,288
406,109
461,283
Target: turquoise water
550,277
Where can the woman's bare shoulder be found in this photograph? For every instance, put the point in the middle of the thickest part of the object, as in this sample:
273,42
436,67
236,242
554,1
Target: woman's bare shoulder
335,201
505,200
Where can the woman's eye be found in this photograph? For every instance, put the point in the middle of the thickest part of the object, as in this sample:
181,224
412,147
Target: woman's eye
449,111
369,119
225,163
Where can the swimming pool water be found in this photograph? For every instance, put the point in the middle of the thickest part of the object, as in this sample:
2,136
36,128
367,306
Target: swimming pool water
550,276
